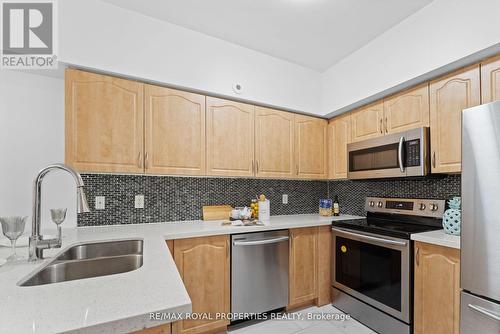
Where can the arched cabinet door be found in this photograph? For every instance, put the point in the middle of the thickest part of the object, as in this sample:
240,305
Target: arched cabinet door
230,138
311,152
274,143
174,131
448,97
203,264
104,123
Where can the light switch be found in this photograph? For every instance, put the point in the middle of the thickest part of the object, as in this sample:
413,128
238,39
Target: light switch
100,202
139,201
285,199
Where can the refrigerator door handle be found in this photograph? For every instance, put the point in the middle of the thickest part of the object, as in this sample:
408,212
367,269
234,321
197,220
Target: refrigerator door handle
485,312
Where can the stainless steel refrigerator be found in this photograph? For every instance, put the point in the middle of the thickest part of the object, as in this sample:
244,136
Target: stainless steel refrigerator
480,240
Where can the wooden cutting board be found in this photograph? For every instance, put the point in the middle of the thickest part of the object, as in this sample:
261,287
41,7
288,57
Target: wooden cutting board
217,212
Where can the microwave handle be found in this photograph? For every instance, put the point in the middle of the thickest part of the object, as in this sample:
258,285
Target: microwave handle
400,154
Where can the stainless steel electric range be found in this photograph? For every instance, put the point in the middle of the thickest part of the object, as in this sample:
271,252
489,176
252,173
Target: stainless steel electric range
372,269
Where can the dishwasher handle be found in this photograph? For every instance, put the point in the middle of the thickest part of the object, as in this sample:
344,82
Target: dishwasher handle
260,242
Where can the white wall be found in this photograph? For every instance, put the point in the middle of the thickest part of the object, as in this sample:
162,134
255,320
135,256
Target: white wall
32,137
439,34
98,35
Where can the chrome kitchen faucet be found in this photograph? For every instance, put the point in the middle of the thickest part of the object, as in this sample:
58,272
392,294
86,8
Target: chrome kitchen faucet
36,242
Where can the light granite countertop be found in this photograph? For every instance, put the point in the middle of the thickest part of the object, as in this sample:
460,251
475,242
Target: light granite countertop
438,237
121,302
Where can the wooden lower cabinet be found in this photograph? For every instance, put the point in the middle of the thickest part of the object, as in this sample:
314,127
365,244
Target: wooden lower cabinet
303,266
437,289
203,264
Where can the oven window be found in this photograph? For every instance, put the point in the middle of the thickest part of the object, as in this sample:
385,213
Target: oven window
371,270
380,157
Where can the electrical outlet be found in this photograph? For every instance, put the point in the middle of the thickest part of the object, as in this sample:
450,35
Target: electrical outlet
139,201
284,199
100,202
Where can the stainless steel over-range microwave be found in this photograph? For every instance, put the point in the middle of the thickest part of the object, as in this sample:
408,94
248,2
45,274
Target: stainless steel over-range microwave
393,155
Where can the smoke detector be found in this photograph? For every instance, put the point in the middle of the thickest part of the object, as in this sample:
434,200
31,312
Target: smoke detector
238,88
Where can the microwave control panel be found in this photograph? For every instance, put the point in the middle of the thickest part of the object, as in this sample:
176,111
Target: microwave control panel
412,150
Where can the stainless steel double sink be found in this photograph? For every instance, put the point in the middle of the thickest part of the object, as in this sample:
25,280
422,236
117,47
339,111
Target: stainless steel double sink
90,260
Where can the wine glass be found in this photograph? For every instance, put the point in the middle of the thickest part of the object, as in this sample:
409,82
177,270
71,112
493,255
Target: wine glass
13,228
58,216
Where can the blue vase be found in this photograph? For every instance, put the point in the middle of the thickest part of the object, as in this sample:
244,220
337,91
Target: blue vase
452,217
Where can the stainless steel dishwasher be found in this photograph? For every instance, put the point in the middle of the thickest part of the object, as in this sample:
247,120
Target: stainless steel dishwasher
259,272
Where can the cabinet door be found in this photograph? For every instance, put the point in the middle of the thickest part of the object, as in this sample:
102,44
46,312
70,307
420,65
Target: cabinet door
303,266
104,123
174,131
311,147
367,122
339,135
230,138
407,110
437,289
448,97
203,264
274,136
490,80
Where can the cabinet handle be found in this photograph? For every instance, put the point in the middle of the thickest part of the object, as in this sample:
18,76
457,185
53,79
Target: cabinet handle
139,162
227,248
297,169
146,160
253,167
381,126
417,256
386,125
256,166
434,159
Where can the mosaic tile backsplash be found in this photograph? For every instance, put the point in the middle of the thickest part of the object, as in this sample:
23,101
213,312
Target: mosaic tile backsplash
352,194
169,198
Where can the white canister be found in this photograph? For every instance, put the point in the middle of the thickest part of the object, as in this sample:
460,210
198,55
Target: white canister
264,210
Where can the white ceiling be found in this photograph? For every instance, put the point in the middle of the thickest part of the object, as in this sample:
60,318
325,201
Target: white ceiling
312,33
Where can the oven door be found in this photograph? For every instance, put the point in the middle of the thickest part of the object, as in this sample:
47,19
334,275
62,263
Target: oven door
393,155
374,269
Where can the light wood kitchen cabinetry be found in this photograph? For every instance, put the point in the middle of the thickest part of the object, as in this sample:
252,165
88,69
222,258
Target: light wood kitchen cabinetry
303,266
339,135
367,122
490,80
203,264
448,97
324,276
311,150
104,123
437,289
407,110
174,131
230,138
274,143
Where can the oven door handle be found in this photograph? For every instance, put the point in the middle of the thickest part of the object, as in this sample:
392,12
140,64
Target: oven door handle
370,238
400,154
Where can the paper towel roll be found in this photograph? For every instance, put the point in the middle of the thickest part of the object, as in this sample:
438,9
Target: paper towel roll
264,210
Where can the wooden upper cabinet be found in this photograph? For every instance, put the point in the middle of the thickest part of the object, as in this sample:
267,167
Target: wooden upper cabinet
407,110
448,97
274,143
311,151
339,135
367,122
490,80
174,131
303,265
230,138
437,289
203,264
104,123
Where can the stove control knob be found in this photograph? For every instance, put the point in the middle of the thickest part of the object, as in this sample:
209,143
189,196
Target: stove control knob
372,204
433,207
422,206
380,204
